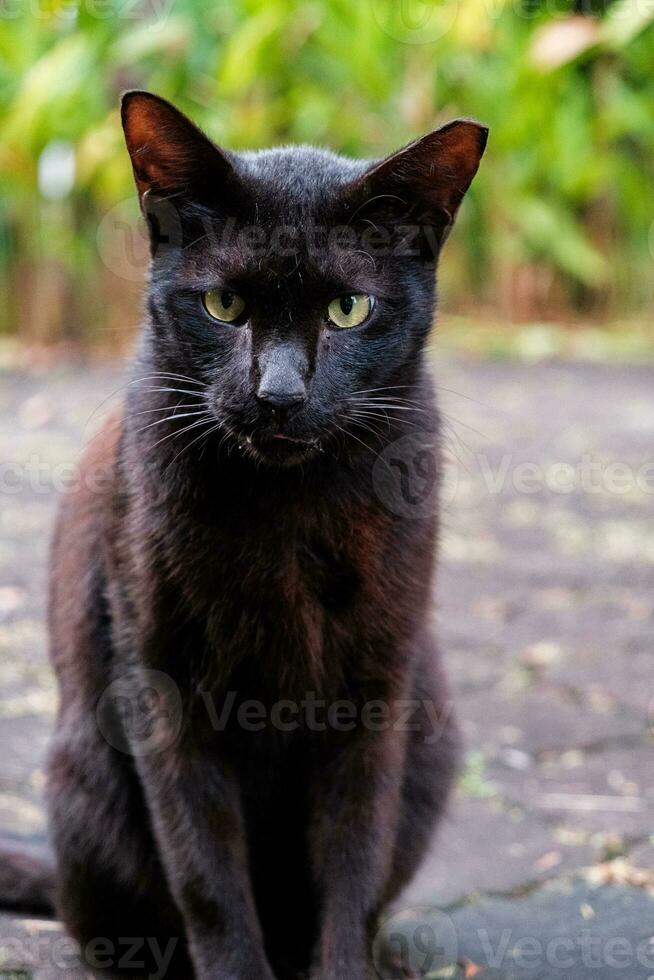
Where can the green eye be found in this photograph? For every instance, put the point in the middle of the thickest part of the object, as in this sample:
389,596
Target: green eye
350,311
223,304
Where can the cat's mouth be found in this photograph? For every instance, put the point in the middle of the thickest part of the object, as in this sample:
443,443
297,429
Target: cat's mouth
279,447
298,442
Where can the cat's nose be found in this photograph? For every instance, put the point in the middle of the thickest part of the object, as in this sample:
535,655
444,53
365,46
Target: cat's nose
283,402
282,389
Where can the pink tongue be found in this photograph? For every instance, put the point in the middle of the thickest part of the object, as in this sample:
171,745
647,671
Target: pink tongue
299,442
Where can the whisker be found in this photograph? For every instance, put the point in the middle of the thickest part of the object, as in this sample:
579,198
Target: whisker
202,435
371,417
352,435
171,418
381,397
159,375
463,445
366,391
386,393
368,428
170,376
180,391
437,386
373,403
451,418
459,394
179,432
368,411
386,418
164,408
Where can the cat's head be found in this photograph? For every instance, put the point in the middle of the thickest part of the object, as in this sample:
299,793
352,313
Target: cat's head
294,286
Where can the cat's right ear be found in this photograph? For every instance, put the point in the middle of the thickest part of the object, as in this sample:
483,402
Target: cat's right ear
170,155
426,179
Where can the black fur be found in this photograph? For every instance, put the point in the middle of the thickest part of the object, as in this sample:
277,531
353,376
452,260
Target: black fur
253,557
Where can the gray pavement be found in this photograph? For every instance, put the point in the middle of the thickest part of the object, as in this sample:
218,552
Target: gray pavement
545,607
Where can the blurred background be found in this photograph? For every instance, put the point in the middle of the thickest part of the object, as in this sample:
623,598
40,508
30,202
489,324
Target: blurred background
557,227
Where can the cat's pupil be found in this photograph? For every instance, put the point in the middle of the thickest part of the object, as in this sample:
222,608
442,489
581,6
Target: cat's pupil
226,298
347,302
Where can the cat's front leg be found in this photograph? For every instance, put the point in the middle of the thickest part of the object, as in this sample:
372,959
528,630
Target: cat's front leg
196,815
353,834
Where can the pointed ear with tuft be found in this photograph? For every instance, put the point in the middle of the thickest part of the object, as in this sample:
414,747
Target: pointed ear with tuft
170,154
428,178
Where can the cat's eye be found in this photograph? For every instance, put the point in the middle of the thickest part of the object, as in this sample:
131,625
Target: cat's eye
224,305
350,311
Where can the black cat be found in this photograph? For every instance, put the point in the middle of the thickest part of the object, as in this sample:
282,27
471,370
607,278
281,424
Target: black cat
255,739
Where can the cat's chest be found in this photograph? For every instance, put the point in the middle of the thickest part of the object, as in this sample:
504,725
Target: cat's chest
283,573
282,591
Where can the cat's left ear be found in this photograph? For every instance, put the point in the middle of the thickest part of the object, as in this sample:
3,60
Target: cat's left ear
429,177
170,155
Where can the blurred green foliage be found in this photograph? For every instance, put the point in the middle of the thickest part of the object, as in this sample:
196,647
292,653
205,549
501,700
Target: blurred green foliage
559,219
